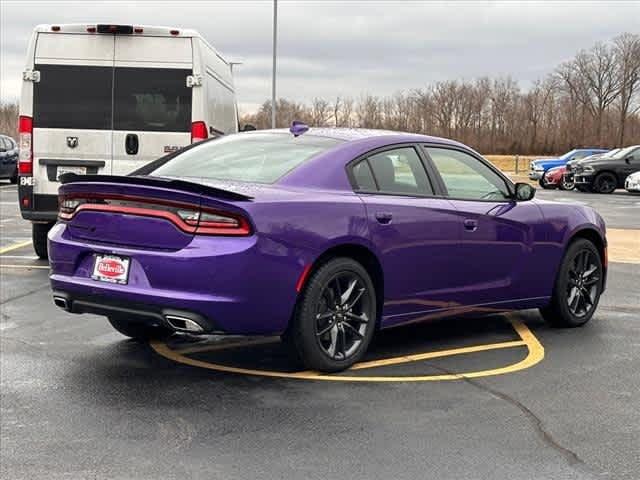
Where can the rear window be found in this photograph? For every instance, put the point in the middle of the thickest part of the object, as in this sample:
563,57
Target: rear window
152,99
246,157
73,97
80,97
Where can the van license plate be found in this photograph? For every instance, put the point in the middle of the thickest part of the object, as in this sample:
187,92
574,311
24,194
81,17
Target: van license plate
111,268
76,170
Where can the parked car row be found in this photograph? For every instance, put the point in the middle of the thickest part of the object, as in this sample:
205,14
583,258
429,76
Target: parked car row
600,172
8,158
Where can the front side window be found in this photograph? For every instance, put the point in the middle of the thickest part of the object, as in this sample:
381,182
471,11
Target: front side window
467,177
398,171
246,157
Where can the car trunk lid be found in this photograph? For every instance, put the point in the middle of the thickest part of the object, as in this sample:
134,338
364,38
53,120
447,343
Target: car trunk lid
147,212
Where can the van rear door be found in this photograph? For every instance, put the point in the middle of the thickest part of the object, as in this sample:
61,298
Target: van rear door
71,107
151,101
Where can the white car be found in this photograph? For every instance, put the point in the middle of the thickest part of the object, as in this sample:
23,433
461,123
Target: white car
632,183
108,99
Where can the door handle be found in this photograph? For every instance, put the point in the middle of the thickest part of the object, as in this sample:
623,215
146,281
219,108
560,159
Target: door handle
131,143
384,217
470,225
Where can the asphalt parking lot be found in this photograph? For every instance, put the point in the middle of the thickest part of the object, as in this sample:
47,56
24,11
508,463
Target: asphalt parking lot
504,396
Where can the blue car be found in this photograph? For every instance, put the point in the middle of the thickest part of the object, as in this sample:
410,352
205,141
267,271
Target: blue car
539,166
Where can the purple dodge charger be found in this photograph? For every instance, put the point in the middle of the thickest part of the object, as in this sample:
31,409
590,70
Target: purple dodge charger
322,236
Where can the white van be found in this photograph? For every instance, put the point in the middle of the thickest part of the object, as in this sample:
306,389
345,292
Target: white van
106,99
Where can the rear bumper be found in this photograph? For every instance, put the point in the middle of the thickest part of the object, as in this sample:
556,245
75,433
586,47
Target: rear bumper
136,312
226,284
8,169
41,208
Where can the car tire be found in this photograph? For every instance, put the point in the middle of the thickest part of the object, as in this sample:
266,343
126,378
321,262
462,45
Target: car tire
139,331
605,182
335,317
566,185
577,288
39,233
14,178
543,184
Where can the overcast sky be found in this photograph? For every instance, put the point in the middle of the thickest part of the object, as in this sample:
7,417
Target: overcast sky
329,48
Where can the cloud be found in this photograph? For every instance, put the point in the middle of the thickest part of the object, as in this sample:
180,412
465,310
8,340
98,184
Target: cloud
330,48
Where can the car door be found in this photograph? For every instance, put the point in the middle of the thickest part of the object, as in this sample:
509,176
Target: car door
630,164
414,232
72,117
496,258
151,101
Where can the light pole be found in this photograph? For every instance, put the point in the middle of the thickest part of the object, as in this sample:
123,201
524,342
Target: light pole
273,73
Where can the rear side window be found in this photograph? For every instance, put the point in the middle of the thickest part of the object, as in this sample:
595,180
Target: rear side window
152,99
69,96
246,157
363,177
398,171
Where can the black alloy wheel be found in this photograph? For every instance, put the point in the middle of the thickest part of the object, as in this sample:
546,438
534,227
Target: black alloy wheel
605,183
578,287
335,317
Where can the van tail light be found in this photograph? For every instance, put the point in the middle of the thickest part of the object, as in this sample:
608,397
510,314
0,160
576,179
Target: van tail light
198,132
188,218
25,138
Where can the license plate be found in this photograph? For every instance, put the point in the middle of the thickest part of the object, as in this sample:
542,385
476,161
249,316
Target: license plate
76,170
111,268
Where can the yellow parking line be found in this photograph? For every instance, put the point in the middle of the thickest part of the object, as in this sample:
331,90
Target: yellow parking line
441,353
226,346
28,267
15,246
534,347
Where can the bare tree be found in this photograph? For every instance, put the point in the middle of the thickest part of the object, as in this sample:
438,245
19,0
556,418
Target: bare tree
320,112
627,55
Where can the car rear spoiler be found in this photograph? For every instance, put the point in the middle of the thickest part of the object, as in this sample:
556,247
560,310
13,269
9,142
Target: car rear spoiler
183,185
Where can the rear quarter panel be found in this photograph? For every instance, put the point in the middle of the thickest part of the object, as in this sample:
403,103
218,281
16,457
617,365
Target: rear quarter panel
314,223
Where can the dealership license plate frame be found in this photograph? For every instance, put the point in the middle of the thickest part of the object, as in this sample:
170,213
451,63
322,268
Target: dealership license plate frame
121,279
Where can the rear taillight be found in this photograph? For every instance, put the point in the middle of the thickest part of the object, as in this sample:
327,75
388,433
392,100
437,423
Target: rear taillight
198,132
186,217
215,223
25,132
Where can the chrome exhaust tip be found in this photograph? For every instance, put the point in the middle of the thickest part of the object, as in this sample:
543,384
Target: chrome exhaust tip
182,324
61,302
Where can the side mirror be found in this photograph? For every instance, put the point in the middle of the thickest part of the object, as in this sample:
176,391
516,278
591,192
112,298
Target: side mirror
248,128
627,160
524,192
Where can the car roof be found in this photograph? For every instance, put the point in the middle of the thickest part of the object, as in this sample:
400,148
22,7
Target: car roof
326,170
352,134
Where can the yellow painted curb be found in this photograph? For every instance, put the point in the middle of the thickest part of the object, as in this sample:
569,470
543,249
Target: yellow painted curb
624,245
527,338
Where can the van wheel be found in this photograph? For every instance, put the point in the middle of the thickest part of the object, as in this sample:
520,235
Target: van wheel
39,237
578,286
335,317
137,330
